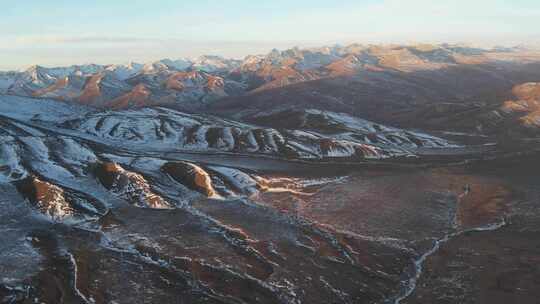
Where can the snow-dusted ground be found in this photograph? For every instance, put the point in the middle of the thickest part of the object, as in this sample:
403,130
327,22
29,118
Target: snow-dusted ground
163,129
10,162
59,145
63,142
46,110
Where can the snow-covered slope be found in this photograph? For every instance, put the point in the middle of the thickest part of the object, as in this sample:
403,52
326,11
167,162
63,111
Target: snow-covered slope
214,64
7,79
311,134
323,135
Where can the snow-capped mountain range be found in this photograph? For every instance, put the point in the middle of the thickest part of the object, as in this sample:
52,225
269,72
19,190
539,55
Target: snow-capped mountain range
203,80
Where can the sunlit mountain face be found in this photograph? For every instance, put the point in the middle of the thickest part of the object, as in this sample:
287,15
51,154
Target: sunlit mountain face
195,83
355,174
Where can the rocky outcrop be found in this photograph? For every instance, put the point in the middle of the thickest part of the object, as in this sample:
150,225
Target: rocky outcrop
191,176
527,107
240,182
131,186
47,198
516,118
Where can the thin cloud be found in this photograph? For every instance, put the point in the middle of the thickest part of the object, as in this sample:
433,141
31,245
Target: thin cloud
58,39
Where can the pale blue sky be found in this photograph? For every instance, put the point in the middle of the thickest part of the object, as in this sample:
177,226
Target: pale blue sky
62,32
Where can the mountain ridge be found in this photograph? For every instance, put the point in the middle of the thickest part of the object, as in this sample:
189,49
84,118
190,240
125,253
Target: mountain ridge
214,77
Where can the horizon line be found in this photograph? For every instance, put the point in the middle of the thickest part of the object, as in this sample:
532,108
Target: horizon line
307,45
